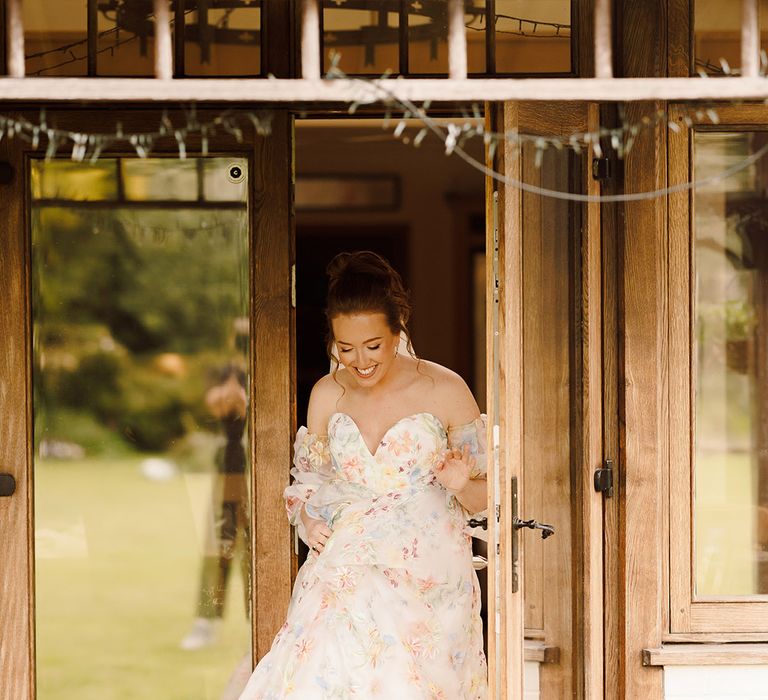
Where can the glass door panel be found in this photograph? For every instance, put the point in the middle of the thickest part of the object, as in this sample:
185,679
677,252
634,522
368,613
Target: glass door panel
140,318
731,369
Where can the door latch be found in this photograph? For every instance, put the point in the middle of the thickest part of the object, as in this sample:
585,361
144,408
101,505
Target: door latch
604,479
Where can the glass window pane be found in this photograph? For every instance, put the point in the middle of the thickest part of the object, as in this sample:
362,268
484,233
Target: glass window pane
140,337
225,179
533,36
365,35
731,369
162,178
60,179
717,34
126,44
223,40
56,37
428,36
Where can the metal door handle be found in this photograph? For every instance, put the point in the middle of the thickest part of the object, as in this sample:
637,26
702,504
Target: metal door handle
7,485
546,530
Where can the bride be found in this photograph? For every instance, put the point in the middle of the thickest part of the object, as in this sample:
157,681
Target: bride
386,472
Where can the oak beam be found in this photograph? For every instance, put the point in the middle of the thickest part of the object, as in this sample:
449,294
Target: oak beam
310,41
750,38
15,30
163,51
286,91
603,49
457,41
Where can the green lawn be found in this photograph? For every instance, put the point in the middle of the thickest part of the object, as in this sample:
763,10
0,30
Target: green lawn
117,573
725,524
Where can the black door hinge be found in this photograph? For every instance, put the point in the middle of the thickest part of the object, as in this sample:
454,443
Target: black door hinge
602,169
604,479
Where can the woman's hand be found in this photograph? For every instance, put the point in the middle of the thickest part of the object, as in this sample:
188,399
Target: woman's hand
455,469
317,532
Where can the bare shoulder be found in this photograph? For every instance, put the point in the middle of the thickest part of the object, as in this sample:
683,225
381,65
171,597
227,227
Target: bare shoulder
322,403
452,395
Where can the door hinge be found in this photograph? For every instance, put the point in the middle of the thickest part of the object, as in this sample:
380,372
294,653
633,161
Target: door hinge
604,479
602,169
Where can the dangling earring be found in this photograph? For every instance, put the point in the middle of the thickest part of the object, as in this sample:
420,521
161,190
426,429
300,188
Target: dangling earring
397,349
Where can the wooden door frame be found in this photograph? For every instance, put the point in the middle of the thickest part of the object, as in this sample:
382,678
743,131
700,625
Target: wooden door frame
588,524
272,388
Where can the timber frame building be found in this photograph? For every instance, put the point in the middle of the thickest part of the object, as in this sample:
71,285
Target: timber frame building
626,337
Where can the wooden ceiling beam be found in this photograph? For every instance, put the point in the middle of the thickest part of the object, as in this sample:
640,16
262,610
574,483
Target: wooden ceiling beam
288,91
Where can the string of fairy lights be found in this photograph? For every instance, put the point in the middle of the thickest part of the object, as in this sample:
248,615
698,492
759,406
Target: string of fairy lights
454,134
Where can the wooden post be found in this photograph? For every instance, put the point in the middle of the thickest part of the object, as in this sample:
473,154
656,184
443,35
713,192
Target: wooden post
457,41
15,23
603,50
750,38
310,40
163,54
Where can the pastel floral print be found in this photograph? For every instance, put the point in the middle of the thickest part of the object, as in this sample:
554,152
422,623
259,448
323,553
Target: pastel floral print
391,608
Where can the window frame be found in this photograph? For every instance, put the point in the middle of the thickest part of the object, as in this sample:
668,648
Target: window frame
689,618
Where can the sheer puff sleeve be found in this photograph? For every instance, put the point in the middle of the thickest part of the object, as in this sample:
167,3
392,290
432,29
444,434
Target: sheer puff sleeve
474,435
312,466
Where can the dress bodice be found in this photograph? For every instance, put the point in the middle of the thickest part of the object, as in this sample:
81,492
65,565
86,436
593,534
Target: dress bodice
404,457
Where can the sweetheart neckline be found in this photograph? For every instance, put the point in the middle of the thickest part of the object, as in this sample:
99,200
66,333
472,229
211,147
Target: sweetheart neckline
389,429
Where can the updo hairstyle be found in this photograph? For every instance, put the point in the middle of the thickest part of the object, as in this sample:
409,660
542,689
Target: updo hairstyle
364,282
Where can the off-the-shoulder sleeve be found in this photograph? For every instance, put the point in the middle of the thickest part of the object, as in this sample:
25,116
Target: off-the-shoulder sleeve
474,435
311,467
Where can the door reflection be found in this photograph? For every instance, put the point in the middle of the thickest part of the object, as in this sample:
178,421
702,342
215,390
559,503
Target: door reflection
140,330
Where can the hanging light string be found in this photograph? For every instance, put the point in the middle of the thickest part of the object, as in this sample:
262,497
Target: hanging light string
84,146
529,28
454,136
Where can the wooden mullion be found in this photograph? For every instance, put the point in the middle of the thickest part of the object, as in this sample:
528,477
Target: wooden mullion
273,376
179,36
591,456
490,37
609,224
93,38
17,677
680,381
278,32
403,39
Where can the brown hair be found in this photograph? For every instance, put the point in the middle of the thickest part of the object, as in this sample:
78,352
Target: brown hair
364,282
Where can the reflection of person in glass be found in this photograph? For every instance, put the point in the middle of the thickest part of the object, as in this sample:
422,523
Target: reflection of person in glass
227,401
387,471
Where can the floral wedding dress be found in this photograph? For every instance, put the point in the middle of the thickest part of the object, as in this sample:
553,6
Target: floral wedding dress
391,607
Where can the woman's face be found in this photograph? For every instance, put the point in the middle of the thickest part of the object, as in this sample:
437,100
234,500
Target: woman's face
366,346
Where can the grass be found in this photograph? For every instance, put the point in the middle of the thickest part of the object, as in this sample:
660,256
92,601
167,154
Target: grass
725,524
117,575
